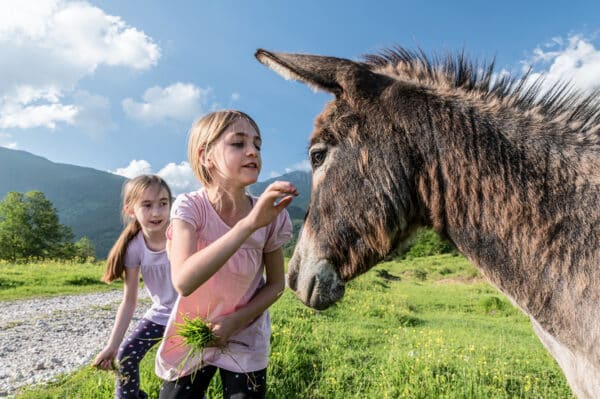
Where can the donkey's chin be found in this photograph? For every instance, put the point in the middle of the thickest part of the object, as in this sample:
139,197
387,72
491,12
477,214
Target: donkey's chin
318,286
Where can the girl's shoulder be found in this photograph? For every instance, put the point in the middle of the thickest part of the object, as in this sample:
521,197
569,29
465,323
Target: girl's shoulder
138,253
197,197
135,250
191,207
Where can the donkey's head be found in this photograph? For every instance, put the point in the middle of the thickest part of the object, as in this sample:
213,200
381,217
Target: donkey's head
361,205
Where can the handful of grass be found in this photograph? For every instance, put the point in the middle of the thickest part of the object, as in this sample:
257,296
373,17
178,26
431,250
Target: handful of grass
195,332
113,366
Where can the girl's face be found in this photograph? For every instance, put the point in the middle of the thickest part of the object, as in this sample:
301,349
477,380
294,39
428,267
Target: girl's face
235,156
152,210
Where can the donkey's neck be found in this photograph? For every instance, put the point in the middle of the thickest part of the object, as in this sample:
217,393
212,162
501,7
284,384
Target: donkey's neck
525,216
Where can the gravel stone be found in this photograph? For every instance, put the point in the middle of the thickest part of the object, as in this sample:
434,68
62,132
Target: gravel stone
42,338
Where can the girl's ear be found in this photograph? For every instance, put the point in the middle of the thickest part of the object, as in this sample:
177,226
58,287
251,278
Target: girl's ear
128,210
204,159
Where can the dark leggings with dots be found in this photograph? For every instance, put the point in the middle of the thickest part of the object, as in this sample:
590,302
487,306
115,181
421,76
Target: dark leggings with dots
145,335
235,385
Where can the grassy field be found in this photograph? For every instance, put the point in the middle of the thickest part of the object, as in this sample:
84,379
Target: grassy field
424,328
20,281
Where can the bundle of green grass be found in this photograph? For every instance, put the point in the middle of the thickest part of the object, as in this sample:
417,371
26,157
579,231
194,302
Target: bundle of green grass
195,332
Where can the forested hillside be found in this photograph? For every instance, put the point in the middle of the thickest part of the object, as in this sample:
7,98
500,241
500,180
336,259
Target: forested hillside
86,199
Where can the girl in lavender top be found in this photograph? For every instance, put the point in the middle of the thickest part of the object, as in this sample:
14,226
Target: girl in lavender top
227,262
139,249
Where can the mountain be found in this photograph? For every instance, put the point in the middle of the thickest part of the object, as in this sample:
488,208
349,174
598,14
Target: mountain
86,199
302,181
297,209
89,200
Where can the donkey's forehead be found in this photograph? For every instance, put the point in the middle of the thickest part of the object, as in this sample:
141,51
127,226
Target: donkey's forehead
334,123
323,122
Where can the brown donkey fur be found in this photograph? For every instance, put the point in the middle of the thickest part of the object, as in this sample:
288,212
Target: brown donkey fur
509,173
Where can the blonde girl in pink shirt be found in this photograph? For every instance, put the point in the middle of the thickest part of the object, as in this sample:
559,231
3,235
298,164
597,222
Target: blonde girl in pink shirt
226,261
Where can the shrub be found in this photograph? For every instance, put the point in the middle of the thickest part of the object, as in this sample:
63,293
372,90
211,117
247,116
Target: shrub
427,243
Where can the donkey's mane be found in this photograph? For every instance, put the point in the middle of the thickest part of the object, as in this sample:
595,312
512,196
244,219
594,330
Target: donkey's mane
561,102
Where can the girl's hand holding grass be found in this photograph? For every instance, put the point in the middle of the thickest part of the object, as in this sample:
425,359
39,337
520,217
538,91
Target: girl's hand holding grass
195,332
106,359
222,330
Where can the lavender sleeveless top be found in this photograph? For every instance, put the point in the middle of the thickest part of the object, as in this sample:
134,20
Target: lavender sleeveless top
156,273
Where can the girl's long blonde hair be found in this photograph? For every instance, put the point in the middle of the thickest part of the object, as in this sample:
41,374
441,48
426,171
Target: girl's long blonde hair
133,190
205,132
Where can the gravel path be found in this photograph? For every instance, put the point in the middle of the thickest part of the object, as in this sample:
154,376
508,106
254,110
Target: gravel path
42,338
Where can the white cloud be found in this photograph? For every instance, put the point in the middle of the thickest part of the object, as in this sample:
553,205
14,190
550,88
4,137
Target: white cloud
301,166
6,141
11,145
27,116
235,97
48,46
179,177
135,168
575,59
180,102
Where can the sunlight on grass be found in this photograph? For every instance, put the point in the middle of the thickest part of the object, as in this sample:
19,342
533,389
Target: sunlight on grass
45,279
421,328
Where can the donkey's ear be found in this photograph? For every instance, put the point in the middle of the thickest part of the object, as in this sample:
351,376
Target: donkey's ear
320,73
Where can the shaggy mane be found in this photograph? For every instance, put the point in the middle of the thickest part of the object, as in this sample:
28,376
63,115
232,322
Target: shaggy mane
561,102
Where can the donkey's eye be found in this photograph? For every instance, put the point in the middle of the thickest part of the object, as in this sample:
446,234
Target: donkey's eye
317,157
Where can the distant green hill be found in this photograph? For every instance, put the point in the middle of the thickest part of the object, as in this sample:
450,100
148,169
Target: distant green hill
302,181
86,199
297,209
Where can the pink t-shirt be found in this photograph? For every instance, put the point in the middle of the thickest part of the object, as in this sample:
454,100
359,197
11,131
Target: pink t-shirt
227,290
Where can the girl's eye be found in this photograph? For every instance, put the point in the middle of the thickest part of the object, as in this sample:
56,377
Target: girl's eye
238,144
257,147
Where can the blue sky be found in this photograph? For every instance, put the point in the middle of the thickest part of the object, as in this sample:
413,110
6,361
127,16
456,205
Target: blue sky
115,85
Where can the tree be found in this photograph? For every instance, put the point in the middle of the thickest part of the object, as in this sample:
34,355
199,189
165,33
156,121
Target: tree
29,228
14,227
85,250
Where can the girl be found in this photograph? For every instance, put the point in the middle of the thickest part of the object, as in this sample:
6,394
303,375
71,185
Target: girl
139,248
221,242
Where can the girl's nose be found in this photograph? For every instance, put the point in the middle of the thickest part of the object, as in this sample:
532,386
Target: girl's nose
252,151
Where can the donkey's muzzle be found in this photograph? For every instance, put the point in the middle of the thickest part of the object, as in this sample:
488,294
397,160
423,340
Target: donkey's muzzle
317,286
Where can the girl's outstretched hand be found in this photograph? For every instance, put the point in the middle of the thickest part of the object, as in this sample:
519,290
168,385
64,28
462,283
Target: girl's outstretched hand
105,359
273,200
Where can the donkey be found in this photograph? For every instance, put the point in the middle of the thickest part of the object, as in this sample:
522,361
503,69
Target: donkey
508,171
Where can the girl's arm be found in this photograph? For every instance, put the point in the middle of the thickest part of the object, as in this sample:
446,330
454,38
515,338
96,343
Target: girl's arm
265,297
124,314
191,268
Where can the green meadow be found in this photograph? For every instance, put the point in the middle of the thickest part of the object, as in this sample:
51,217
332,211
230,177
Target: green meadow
424,328
51,278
